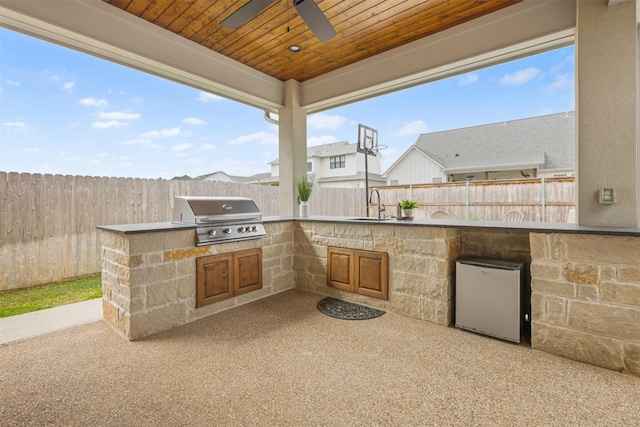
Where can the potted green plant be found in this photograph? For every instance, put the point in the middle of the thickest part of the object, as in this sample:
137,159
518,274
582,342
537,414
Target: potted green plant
407,207
304,192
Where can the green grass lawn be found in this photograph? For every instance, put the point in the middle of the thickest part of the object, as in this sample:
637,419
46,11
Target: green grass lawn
46,296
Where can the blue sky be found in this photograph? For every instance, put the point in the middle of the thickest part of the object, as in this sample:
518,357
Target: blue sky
64,112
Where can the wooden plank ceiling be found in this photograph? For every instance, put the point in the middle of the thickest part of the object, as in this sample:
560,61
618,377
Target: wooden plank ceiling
364,28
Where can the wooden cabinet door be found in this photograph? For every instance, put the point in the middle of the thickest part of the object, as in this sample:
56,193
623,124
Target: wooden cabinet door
370,275
214,278
340,268
248,271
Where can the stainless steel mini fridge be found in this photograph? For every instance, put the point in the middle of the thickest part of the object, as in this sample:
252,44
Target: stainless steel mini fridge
488,297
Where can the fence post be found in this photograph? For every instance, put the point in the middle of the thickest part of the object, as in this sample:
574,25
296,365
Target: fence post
544,199
468,216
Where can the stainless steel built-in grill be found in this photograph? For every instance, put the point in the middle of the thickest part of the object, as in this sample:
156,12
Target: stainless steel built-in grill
219,219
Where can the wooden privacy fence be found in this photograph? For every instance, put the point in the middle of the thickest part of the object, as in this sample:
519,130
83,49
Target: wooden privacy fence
535,200
48,223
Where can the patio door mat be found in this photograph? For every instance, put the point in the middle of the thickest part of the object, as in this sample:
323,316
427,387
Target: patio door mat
347,310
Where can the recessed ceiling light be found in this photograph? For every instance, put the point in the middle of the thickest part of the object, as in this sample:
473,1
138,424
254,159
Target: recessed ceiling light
294,48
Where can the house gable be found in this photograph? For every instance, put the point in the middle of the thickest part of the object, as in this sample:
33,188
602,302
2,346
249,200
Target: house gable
414,166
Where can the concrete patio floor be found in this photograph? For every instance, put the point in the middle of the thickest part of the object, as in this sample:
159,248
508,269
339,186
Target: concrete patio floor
280,362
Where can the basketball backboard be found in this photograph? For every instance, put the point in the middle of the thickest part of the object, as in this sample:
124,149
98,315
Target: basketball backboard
367,140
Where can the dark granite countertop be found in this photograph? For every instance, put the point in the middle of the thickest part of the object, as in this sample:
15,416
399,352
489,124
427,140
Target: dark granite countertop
536,227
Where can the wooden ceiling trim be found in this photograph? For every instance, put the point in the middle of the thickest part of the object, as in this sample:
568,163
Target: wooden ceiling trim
137,7
213,16
312,48
206,17
121,4
364,28
155,10
362,34
264,26
180,23
274,44
414,28
171,13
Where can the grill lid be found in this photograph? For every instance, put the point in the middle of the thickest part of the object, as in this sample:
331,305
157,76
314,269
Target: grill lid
213,210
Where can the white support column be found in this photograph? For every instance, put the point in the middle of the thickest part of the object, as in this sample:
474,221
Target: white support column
292,148
607,135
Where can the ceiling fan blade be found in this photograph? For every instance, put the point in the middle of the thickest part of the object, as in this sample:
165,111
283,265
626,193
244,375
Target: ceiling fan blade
315,19
245,13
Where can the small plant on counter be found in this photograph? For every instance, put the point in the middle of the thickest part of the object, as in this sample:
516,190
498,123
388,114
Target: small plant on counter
408,204
304,189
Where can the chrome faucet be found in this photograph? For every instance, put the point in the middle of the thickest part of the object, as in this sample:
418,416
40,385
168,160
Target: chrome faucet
380,206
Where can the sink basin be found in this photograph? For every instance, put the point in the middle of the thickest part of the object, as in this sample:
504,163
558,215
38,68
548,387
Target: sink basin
369,219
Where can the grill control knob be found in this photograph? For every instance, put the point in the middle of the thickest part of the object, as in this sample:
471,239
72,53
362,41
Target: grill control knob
241,230
212,233
227,231
254,228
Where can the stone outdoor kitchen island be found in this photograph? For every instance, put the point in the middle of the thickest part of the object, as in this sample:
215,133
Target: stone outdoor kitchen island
585,282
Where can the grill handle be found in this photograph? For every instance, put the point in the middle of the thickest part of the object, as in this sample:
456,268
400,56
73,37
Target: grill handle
228,217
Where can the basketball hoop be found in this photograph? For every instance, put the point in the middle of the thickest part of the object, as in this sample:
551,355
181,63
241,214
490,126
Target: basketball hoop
368,145
376,150
367,139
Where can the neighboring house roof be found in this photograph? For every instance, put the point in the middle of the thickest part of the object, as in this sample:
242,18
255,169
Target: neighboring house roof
544,142
236,178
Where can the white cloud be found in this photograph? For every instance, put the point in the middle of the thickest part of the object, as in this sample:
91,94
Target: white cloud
17,127
119,115
468,79
415,127
106,125
207,147
261,137
206,97
321,140
560,82
143,142
520,77
92,102
163,133
325,121
9,82
568,60
31,150
194,121
181,147
145,139
72,159
68,85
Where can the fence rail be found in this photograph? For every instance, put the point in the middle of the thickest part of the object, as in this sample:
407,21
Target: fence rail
48,223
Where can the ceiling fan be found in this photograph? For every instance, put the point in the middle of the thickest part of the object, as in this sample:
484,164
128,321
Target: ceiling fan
308,10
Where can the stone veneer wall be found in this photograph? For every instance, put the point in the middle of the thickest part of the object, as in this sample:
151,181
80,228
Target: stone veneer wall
586,298
421,264
149,279
497,244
